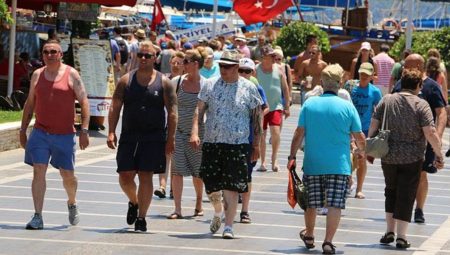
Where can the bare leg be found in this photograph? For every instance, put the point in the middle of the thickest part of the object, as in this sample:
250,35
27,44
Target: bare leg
231,198
214,199
70,184
263,149
128,185
310,221
275,134
246,198
38,186
145,192
360,176
390,222
333,218
198,186
177,188
402,227
422,190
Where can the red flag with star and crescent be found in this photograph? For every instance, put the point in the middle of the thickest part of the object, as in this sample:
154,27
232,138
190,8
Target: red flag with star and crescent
254,11
158,15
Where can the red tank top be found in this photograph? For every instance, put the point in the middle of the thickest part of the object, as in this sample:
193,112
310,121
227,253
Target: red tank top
55,104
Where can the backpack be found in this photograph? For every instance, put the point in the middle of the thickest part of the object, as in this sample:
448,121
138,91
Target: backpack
123,49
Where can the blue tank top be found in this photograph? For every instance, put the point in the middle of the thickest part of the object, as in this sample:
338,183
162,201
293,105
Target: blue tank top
271,83
143,112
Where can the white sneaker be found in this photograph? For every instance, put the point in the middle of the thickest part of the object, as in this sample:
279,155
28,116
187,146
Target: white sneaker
74,214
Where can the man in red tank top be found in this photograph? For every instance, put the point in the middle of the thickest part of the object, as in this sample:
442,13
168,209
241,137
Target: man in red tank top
53,90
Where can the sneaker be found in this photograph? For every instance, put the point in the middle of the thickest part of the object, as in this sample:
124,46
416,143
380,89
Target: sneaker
132,213
228,233
74,214
215,224
418,216
140,225
161,193
36,222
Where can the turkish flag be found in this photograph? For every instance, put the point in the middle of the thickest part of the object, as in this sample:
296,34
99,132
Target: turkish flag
158,15
254,11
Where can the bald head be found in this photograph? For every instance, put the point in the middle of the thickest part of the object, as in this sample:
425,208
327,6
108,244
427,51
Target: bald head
415,61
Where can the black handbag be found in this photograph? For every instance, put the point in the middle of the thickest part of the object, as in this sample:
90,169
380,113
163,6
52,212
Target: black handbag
300,191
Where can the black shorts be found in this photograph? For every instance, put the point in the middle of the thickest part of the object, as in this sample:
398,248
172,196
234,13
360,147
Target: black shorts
141,156
428,164
224,167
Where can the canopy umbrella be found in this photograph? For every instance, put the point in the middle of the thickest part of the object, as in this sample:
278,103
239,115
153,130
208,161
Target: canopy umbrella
39,5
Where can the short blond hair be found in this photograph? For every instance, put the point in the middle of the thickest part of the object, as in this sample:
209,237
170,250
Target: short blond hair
147,45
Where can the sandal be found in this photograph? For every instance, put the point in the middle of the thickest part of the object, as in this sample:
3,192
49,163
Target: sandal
307,240
331,250
275,168
175,216
245,218
360,195
262,169
161,193
387,238
198,212
402,243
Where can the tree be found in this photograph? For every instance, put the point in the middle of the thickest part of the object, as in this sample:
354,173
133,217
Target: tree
5,15
292,38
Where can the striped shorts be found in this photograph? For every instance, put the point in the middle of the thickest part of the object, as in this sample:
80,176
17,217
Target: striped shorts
326,190
186,161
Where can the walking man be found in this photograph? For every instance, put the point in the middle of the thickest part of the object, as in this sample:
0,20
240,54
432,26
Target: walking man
326,121
53,90
229,102
143,143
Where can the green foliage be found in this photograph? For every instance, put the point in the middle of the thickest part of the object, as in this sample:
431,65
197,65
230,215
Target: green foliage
10,116
292,38
5,15
423,41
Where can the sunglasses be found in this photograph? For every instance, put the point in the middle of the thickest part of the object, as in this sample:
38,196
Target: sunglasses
145,55
187,61
225,66
177,63
312,53
51,52
277,59
246,71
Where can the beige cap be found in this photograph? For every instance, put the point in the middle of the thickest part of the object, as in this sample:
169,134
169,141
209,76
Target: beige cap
332,72
140,33
366,68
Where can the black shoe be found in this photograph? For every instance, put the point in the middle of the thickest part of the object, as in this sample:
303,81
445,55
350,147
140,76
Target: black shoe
387,238
132,213
161,193
447,154
402,243
418,216
140,225
171,194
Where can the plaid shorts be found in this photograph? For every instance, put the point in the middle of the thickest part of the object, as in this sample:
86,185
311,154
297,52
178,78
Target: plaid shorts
326,190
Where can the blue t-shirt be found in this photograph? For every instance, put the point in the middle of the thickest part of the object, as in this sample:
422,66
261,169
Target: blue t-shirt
210,73
328,121
114,48
365,100
430,92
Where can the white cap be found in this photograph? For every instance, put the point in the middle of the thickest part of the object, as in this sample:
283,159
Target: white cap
241,38
246,63
366,46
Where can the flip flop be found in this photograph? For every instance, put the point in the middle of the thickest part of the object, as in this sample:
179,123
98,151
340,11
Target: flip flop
175,216
262,169
198,212
305,239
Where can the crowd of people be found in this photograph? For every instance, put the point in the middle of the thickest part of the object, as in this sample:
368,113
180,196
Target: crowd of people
203,110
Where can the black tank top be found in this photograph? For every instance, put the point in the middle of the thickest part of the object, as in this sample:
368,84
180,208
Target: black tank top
143,112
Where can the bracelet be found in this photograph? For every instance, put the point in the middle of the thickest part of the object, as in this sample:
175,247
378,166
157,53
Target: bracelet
85,131
294,158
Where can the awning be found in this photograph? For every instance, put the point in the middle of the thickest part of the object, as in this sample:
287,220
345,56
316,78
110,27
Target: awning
39,4
331,3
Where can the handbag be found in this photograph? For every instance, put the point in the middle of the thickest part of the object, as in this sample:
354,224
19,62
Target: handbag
378,146
297,192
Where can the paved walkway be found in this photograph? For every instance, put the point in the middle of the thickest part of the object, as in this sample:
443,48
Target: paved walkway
274,230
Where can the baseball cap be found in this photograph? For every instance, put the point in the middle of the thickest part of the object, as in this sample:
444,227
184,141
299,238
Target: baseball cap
246,63
230,57
366,68
332,72
188,46
267,50
203,39
278,52
366,46
241,38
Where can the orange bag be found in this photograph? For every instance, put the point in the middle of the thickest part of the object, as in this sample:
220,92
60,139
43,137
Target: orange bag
292,201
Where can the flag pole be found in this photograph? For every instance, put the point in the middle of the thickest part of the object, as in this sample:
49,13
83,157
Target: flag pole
214,24
297,5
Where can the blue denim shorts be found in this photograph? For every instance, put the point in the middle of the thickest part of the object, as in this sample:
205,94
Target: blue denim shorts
43,147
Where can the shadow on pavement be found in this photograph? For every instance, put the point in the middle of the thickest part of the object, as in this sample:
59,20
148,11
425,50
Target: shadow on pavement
22,227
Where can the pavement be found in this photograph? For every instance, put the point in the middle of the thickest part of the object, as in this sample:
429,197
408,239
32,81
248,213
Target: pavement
274,228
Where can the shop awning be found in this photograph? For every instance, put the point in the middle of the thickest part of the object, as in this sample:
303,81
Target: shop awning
39,4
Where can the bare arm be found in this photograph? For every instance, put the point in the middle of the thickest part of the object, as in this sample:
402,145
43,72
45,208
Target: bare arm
441,120
352,69
287,97
199,114
114,111
28,109
289,78
257,132
432,137
374,126
171,103
360,140
81,95
300,72
297,140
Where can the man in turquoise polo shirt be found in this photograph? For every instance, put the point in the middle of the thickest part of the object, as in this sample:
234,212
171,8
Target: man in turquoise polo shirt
326,122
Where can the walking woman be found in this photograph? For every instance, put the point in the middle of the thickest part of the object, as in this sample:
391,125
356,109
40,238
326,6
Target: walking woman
410,121
365,54
186,161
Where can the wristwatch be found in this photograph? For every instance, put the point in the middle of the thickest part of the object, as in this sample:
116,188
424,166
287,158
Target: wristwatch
85,131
